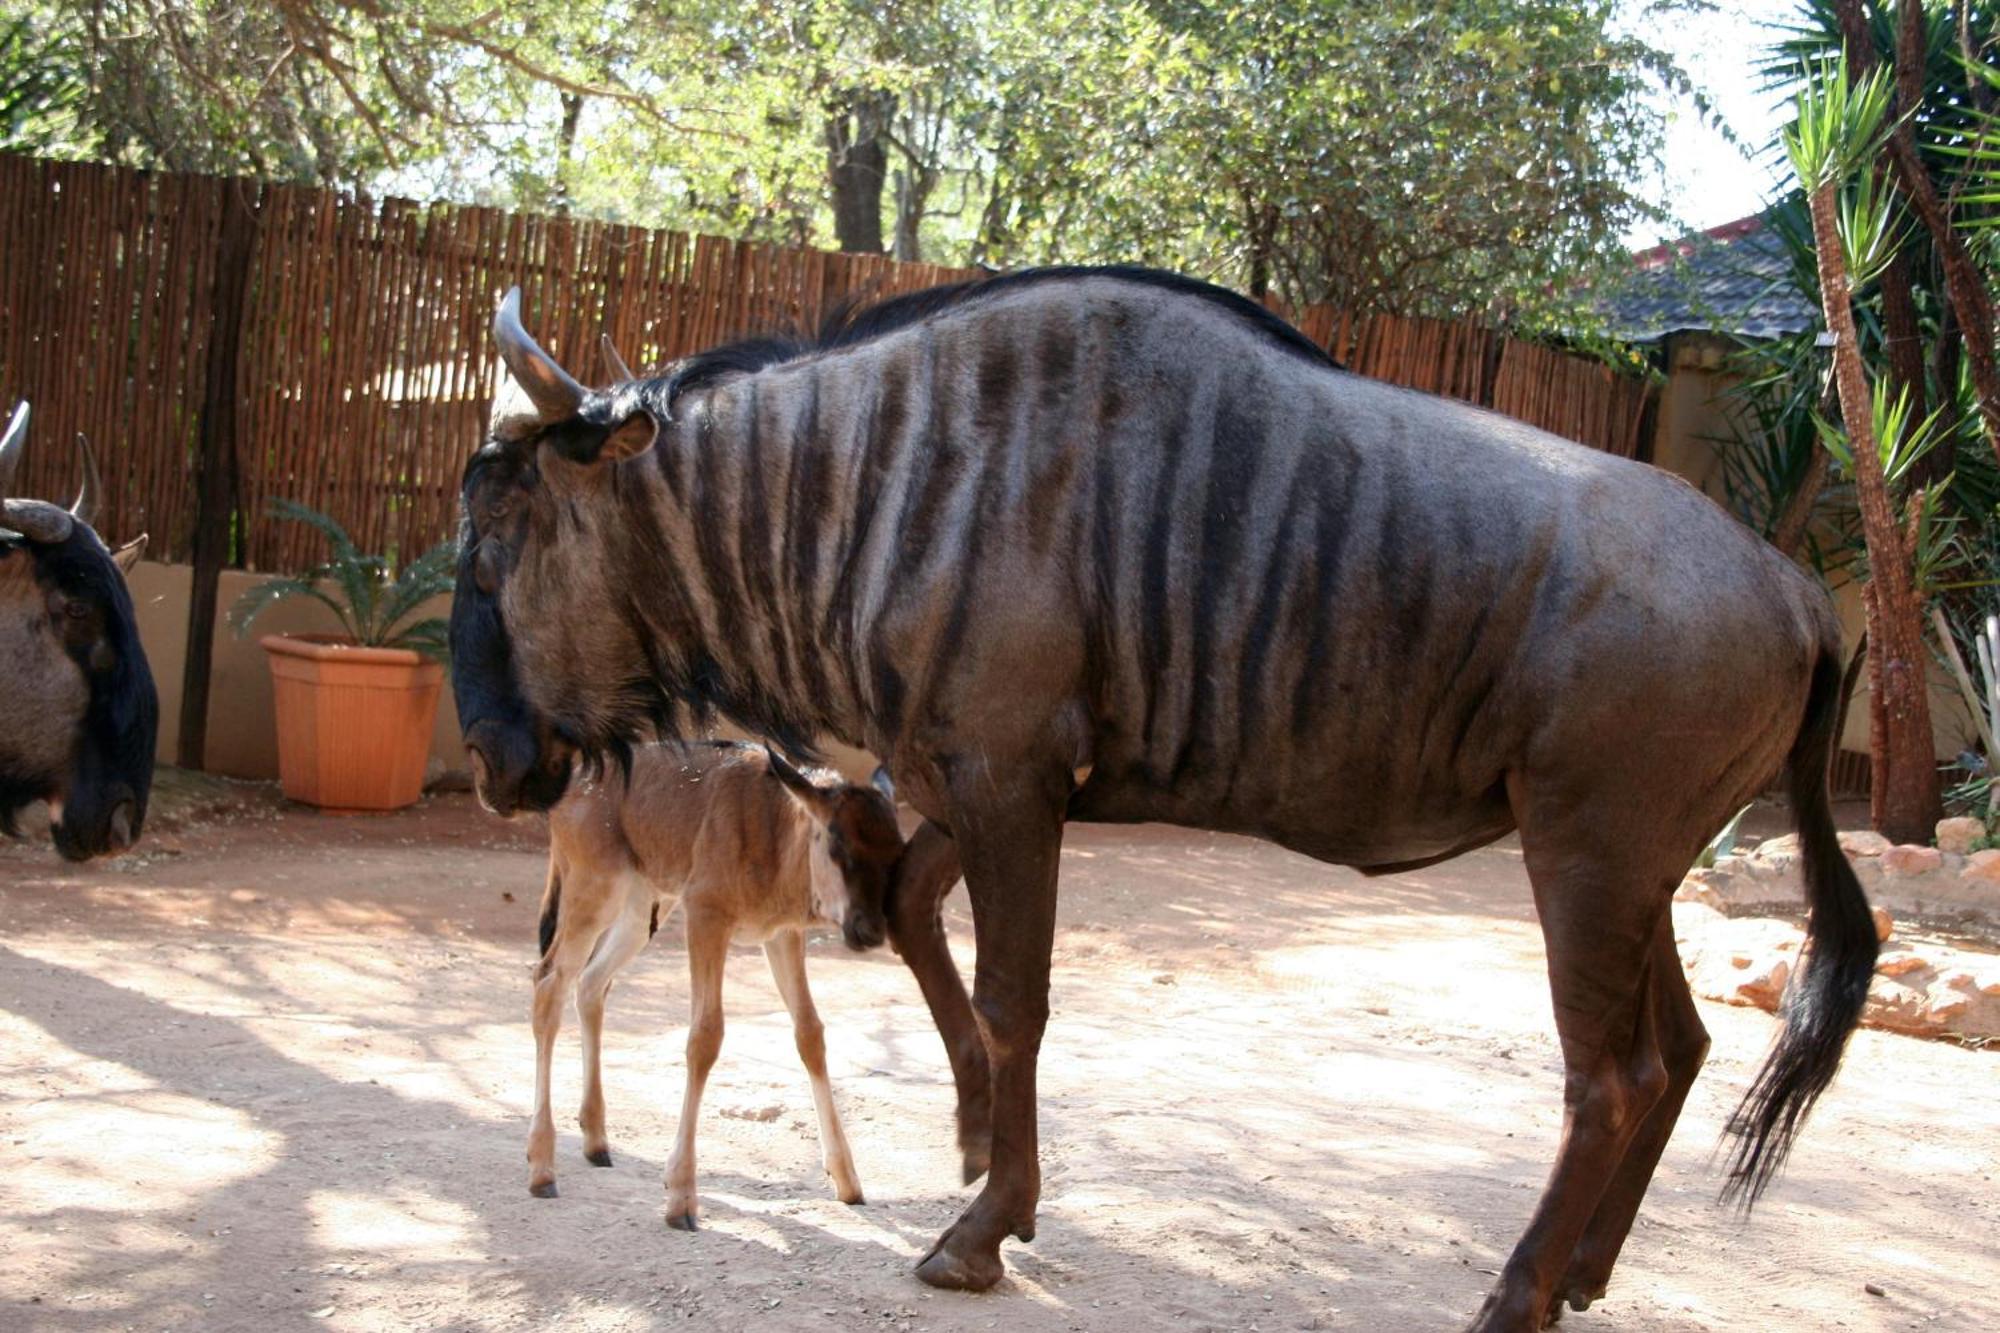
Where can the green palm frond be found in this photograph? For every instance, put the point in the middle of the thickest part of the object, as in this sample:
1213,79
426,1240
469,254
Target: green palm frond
370,597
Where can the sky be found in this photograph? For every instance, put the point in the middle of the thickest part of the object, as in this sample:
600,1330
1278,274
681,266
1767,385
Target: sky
1708,181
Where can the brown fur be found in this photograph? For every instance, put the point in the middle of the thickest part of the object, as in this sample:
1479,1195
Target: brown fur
749,849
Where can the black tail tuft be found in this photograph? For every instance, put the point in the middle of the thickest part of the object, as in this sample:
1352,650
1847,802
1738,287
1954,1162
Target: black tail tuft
551,909
1826,997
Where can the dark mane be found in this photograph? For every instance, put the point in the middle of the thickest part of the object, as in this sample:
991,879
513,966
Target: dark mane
850,323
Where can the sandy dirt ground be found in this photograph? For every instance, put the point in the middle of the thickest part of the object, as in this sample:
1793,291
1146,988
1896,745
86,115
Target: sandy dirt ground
274,1073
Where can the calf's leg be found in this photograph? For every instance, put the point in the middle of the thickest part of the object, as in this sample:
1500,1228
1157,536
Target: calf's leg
1010,844
619,946
583,913
786,953
708,933
924,876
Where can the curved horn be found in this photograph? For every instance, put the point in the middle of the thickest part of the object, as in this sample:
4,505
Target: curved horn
615,361
549,387
10,447
84,510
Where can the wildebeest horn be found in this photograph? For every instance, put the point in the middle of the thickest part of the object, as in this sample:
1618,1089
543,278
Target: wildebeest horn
616,362
549,387
33,519
10,447
84,510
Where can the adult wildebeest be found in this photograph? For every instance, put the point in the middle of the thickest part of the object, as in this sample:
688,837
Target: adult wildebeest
747,847
1115,545
77,708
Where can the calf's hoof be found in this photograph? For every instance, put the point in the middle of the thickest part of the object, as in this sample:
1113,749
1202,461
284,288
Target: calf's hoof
542,1189
682,1221
598,1157
948,1268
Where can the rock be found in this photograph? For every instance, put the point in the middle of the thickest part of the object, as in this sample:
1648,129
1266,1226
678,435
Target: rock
1885,924
1944,1005
1983,865
1784,845
1698,888
1899,963
1957,835
1864,843
1910,859
1765,985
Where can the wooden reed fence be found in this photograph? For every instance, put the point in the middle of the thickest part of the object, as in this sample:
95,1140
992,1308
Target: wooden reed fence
363,364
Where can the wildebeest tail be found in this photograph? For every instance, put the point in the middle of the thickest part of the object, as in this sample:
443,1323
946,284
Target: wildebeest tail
551,906
1824,1002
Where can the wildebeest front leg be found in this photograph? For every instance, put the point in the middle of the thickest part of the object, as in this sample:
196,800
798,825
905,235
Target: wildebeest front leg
924,876
1010,851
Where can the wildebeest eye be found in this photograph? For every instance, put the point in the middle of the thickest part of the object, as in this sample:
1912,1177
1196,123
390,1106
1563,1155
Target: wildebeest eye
76,610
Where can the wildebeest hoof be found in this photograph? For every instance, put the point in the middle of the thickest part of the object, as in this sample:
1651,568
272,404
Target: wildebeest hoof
1025,1232
682,1221
545,1189
601,1157
946,1268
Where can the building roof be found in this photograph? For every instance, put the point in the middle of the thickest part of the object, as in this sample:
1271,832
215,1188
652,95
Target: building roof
1732,279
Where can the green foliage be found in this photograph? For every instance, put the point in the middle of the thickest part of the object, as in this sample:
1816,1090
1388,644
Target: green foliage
1840,121
1435,156
369,597
40,88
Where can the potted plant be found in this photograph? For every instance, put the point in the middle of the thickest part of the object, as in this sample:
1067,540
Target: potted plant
355,708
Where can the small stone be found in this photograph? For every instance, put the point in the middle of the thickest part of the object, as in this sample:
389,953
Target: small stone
1910,859
1983,865
1885,924
1873,1289
1957,835
1864,842
1900,963
1163,979
760,1114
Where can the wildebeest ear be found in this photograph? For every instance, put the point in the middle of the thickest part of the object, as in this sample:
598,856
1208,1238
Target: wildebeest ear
882,782
631,437
815,800
128,555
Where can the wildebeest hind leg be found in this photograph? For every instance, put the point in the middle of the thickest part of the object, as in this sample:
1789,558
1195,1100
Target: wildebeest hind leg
1672,1027
1010,851
924,875
1600,891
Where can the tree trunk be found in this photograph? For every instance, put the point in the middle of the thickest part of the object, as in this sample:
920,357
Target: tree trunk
1905,804
857,164
1970,300
572,105
913,195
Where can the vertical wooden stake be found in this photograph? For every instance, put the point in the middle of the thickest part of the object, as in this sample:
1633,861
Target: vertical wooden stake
215,469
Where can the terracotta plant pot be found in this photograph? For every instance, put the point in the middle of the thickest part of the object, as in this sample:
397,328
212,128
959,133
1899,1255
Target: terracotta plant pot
354,724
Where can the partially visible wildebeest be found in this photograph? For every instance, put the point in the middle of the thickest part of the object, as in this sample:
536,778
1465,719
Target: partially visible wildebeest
77,707
1115,545
747,847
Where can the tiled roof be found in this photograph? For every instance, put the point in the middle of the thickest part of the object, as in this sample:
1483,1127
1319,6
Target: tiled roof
1729,279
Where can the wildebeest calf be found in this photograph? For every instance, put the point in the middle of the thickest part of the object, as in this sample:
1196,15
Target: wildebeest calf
748,846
